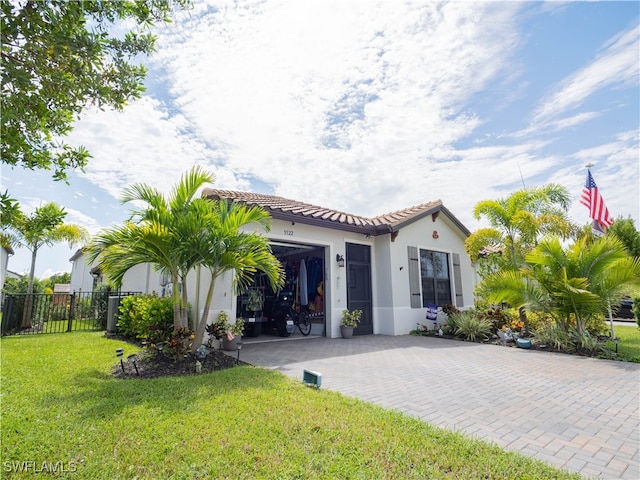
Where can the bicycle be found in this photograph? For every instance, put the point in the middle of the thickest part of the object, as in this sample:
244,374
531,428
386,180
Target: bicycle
301,320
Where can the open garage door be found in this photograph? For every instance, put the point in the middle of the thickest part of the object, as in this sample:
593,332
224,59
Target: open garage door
269,314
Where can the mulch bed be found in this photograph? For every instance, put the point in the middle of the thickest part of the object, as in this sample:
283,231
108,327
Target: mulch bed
544,348
152,364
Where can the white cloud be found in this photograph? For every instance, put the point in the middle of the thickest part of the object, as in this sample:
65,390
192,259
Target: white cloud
367,108
618,64
142,144
321,102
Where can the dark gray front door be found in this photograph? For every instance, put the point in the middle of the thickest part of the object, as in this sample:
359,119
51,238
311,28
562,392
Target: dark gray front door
359,285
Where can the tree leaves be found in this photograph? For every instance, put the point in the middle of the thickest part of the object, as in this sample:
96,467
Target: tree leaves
58,58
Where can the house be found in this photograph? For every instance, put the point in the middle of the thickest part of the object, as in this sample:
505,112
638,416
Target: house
86,277
392,267
5,253
61,294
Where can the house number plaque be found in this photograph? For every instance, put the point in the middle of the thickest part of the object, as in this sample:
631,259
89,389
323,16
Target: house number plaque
289,233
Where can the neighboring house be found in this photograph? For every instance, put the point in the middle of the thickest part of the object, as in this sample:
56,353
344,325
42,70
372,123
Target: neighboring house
81,278
5,253
85,277
392,267
61,294
13,275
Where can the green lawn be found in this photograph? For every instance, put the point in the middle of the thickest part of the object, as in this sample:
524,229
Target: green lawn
629,343
61,405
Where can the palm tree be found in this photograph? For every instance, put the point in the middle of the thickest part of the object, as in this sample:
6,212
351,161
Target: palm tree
519,220
155,234
222,247
571,285
45,227
517,223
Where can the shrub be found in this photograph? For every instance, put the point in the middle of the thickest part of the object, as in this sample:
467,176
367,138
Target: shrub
553,336
451,325
536,320
218,329
597,325
635,308
146,317
587,344
471,326
499,318
449,309
178,342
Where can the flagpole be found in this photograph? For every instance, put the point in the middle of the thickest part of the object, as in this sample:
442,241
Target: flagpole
613,333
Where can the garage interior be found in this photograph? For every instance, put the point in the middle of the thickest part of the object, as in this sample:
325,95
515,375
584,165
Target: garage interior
269,314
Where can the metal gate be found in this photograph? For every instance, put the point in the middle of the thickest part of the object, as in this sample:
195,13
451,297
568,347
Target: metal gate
54,312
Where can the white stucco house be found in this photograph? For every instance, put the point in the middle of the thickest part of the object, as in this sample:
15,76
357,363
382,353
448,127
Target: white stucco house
392,267
140,279
5,253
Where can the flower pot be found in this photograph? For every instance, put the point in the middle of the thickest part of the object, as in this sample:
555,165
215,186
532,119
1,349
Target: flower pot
346,332
230,345
215,343
523,343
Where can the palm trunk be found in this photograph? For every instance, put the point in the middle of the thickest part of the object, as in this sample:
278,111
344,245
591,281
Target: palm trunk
175,296
199,335
28,301
185,303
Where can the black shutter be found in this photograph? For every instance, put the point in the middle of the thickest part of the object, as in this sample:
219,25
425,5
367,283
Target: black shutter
457,279
414,277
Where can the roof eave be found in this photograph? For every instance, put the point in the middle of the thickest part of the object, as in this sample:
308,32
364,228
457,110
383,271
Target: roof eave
435,209
319,222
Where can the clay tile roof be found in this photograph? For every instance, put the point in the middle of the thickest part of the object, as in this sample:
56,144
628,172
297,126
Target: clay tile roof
411,213
292,210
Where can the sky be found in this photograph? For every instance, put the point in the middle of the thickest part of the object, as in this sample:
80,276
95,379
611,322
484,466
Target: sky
367,107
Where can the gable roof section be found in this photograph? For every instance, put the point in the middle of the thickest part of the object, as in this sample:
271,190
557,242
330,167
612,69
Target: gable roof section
77,255
290,210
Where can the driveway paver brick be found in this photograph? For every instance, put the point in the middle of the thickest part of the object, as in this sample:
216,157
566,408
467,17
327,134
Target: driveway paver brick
578,413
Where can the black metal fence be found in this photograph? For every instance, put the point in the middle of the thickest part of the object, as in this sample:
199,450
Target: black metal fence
55,312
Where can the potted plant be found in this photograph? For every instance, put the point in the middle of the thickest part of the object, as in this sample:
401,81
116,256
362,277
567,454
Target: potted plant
218,330
349,321
233,335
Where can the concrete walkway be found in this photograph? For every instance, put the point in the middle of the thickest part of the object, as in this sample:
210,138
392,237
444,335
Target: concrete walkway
574,412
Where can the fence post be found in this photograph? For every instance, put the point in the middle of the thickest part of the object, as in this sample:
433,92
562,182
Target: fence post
72,302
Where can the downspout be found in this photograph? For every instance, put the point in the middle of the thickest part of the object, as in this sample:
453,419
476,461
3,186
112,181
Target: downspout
146,283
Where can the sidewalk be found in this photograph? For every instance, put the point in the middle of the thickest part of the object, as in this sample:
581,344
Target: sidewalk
577,413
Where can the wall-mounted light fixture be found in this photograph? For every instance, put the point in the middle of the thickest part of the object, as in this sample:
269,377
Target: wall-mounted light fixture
340,260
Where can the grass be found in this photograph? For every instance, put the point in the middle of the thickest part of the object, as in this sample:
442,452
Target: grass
61,404
629,343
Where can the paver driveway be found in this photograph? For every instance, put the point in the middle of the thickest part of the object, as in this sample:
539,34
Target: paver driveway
577,413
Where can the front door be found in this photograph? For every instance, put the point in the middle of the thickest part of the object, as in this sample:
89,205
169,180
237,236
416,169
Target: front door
359,285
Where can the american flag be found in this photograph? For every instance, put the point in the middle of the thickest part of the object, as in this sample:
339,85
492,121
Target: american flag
592,199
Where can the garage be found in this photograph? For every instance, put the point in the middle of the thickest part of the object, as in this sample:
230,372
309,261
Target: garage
273,315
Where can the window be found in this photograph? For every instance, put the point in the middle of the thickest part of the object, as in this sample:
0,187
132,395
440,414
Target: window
430,279
435,279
